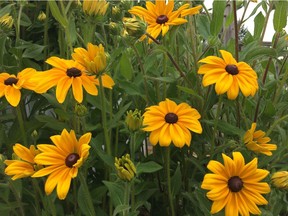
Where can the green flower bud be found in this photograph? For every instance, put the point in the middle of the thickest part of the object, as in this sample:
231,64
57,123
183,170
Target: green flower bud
80,110
134,120
125,168
135,27
41,16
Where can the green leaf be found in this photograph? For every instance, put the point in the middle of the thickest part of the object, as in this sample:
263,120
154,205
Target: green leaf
256,52
189,91
225,127
97,145
148,167
280,15
176,181
126,69
118,116
34,51
121,208
258,24
57,14
82,201
52,123
217,17
203,27
116,192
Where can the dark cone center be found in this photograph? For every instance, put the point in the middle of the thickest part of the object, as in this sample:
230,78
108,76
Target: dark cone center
71,159
11,81
161,19
235,184
73,72
232,69
171,118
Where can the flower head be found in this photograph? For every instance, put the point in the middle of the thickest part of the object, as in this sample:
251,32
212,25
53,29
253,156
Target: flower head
229,75
10,85
125,168
95,7
66,74
6,21
169,122
235,186
257,142
280,179
62,160
134,26
23,165
41,16
134,120
160,16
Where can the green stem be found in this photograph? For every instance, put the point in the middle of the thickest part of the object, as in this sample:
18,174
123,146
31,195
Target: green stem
104,117
216,124
17,196
126,197
87,195
236,31
45,40
170,196
132,145
21,124
276,123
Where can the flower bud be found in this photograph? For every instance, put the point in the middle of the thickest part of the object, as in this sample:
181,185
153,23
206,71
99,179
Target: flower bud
134,120
41,16
134,26
95,7
125,168
80,110
6,21
280,179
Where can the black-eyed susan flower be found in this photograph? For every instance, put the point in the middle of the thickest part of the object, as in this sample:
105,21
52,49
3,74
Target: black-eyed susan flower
229,75
236,186
95,7
10,85
169,122
257,142
94,60
160,16
63,75
62,160
125,168
280,179
23,165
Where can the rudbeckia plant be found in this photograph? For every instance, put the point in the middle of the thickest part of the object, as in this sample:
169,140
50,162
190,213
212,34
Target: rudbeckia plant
143,108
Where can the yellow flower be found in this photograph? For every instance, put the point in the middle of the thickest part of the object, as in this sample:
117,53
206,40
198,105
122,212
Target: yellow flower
125,168
134,120
95,7
6,20
160,16
24,165
62,160
229,75
169,122
257,142
10,85
64,74
95,61
280,179
236,186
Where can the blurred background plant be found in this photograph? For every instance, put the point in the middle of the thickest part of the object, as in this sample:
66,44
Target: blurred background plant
144,75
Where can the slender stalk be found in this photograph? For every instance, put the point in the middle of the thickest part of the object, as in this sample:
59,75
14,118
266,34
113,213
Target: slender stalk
17,196
104,117
126,197
170,195
216,123
45,39
87,195
276,123
236,31
21,124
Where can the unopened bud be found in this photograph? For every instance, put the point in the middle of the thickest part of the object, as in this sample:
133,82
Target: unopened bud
134,120
280,179
125,168
135,27
6,21
41,16
80,110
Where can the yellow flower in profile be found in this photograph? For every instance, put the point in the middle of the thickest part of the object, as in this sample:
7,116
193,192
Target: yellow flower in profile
235,186
229,75
95,61
24,166
66,74
95,7
62,160
169,122
10,85
257,142
280,179
160,16
6,20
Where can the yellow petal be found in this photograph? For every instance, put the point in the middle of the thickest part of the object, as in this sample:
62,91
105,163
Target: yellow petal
12,95
62,88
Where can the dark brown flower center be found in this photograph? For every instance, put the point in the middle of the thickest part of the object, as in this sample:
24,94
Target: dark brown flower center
161,19
232,69
71,159
235,184
73,72
171,118
11,81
